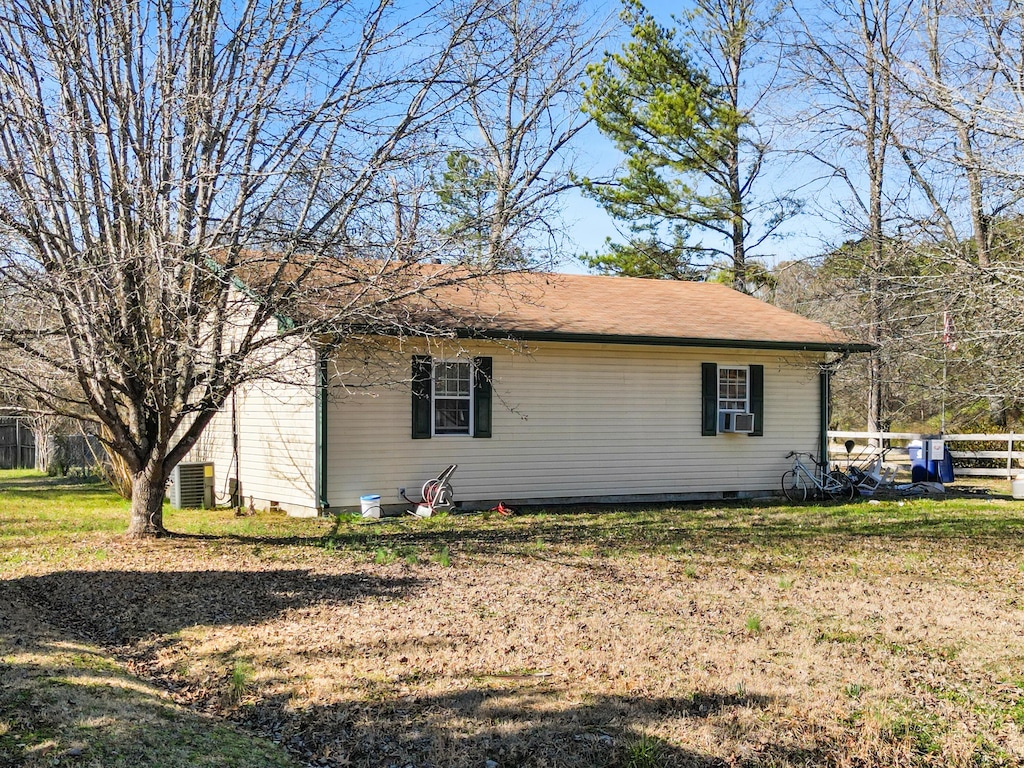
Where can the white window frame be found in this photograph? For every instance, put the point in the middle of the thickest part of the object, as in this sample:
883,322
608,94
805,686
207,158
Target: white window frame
746,390
437,364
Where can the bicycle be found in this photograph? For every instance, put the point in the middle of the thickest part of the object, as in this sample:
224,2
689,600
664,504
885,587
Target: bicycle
801,483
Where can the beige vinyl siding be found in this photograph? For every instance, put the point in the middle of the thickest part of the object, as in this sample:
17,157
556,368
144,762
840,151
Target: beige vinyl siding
579,420
276,424
215,445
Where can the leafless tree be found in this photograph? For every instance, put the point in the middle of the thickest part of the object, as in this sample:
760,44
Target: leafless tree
520,71
957,145
964,150
842,62
176,178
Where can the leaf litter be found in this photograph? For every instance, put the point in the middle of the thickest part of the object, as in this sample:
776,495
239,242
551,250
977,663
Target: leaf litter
533,654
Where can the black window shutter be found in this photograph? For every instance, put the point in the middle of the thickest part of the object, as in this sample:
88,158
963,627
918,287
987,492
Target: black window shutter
757,399
482,369
422,372
709,399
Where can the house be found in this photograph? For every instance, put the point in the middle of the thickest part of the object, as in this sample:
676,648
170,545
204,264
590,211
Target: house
548,389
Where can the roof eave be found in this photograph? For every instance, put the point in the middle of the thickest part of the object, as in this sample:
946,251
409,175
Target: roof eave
667,341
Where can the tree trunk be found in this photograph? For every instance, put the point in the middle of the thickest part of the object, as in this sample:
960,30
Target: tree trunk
876,377
115,469
976,195
46,444
733,49
147,513
739,235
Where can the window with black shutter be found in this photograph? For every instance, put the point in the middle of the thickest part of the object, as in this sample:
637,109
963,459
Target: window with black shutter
451,397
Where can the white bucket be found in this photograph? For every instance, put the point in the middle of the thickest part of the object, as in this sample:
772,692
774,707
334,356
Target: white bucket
1017,487
371,505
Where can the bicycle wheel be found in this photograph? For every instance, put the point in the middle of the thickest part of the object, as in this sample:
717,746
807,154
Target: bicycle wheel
794,486
850,493
840,486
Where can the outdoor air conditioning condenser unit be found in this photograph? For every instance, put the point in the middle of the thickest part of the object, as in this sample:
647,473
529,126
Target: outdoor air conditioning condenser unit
192,485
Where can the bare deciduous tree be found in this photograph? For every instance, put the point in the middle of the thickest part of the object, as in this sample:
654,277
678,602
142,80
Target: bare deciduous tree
150,152
521,71
965,109
843,61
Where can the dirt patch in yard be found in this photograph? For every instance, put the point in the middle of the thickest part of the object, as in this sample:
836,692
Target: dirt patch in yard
845,636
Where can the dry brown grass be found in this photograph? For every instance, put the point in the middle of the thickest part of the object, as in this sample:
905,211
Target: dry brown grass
861,635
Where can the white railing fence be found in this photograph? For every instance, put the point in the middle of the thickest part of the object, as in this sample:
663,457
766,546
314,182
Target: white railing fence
995,455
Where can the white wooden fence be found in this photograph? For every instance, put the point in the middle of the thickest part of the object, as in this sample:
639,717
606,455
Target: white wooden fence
1005,462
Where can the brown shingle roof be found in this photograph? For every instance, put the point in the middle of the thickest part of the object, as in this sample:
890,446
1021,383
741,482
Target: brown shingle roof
633,310
401,297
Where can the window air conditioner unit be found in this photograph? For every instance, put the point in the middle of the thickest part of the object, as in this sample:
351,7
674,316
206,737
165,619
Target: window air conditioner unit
192,485
737,422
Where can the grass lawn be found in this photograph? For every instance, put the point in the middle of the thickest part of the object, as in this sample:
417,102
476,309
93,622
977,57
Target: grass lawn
868,634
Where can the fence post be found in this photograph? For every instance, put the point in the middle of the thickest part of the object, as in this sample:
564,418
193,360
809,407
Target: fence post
1009,458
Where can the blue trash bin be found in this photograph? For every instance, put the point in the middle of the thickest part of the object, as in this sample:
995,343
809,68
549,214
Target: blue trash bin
921,470
944,468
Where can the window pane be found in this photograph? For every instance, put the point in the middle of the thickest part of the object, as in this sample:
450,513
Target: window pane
732,389
453,386
452,379
451,417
